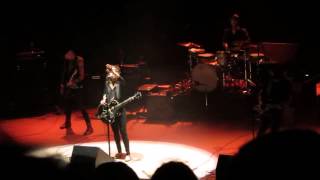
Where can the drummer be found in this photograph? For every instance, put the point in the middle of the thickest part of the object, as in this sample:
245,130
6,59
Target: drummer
235,38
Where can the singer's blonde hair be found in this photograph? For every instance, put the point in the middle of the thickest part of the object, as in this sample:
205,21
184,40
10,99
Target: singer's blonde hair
115,69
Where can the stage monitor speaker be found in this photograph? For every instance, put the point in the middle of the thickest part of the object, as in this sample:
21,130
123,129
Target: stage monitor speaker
87,157
223,165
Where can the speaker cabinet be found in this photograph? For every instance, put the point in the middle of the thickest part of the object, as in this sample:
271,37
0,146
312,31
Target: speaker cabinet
88,157
223,165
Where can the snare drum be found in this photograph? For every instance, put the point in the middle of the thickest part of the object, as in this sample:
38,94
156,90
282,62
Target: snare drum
205,77
207,58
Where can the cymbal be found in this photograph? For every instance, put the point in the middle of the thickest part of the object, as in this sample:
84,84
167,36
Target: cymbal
256,54
206,55
189,45
197,50
255,46
267,62
129,65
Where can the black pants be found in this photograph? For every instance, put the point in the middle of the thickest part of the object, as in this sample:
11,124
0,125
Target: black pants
120,127
74,99
271,119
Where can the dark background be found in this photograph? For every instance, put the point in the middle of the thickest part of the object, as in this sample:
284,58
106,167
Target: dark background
145,29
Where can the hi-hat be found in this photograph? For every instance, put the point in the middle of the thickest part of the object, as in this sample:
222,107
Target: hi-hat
189,45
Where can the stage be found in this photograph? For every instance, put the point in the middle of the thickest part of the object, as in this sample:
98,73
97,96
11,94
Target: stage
197,143
146,156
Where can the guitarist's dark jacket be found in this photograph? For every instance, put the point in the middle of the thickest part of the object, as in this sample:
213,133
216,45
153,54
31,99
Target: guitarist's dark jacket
69,68
114,94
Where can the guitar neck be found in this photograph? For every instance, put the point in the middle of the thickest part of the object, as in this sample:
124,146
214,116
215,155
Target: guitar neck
124,103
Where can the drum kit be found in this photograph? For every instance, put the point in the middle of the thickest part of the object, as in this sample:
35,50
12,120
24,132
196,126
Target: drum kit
226,70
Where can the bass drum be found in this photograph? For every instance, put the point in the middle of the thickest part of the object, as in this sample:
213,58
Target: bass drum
205,77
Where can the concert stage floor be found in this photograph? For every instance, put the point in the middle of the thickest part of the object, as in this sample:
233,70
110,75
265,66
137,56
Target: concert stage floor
197,143
146,156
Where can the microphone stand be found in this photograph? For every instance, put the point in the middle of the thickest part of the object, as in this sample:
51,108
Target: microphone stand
108,137
104,120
